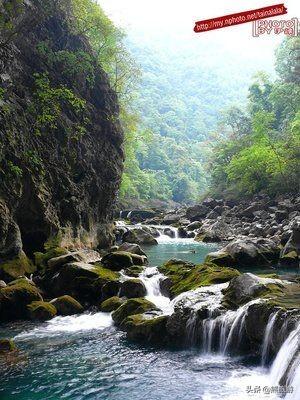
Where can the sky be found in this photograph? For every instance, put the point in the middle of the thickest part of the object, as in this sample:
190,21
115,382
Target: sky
175,19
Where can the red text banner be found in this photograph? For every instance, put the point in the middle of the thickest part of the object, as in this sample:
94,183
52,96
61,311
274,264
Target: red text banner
239,18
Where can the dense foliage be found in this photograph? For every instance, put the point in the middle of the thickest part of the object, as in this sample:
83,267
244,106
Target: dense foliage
260,150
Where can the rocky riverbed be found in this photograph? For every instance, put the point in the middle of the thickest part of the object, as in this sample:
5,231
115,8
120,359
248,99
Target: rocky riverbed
212,304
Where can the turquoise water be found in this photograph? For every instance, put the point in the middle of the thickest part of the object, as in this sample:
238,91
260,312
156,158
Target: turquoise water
182,249
100,364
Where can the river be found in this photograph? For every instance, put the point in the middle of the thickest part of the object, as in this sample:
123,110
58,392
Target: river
85,357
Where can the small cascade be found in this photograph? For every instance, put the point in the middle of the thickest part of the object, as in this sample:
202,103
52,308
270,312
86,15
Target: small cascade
286,365
151,278
218,332
268,338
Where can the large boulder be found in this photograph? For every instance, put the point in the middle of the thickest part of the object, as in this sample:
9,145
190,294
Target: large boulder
248,252
185,276
132,248
132,288
14,299
196,213
41,310
170,219
247,287
67,305
146,330
117,260
121,260
82,281
139,236
216,232
132,307
111,304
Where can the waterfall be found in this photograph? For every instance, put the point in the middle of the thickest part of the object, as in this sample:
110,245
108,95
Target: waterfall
224,330
268,338
287,364
151,278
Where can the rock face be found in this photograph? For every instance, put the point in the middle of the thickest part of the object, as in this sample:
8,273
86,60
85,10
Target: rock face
59,177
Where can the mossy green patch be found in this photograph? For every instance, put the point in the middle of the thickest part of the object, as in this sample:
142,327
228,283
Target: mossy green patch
186,276
19,266
111,304
41,310
41,259
288,298
67,305
15,298
132,307
134,271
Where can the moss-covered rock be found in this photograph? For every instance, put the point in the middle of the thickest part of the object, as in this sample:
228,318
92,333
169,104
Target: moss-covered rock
15,298
133,288
220,258
41,310
134,271
7,345
247,287
41,259
79,280
132,307
19,266
146,330
186,276
122,259
66,305
111,304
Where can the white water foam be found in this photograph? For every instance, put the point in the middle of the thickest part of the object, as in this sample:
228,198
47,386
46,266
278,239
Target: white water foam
151,278
73,323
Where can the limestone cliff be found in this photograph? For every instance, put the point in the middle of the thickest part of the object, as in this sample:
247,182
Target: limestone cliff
61,151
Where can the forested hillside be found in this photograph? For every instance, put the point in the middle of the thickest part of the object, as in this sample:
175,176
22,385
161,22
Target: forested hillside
260,149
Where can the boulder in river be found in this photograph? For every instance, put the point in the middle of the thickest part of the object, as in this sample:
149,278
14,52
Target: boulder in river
247,287
86,256
132,248
146,330
132,288
41,310
187,276
111,304
67,305
139,236
246,252
14,299
121,260
132,307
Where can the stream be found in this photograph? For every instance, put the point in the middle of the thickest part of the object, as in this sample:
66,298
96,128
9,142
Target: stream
85,357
